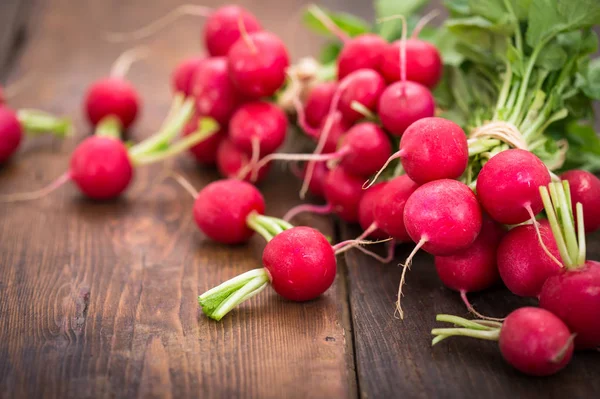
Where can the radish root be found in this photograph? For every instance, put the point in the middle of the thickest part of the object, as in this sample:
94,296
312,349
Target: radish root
318,209
328,23
56,184
405,267
536,226
122,64
471,309
430,16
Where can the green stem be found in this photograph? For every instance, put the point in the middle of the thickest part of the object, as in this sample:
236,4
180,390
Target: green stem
253,224
518,35
482,145
504,91
220,300
555,226
460,321
207,128
491,335
561,204
267,226
109,126
580,234
36,122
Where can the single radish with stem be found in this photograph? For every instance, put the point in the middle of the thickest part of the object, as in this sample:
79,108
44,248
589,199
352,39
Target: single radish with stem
15,124
585,188
102,166
442,217
362,151
235,163
432,149
532,340
183,74
404,102
221,29
475,268
574,294
115,96
365,88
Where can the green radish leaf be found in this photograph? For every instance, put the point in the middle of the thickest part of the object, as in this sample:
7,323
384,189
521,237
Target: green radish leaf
592,80
515,57
521,8
391,30
348,23
577,14
458,7
543,21
584,136
552,58
493,10
330,52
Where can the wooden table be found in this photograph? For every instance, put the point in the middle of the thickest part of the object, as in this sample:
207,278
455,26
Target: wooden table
99,299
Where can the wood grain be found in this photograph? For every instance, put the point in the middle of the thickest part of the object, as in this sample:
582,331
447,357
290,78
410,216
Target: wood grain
99,299
395,357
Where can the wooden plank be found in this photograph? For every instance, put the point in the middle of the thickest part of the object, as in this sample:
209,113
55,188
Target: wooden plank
99,299
395,357
13,16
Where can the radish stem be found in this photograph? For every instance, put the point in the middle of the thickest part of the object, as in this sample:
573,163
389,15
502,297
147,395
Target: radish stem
109,126
36,122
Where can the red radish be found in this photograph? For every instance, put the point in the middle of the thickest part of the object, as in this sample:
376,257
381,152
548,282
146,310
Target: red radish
257,64
585,188
102,167
14,124
299,263
388,212
473,269
364,87
574,294
337,129
361,52
215,95
362,151
318,102
404,103
532,340
221,30
523,263
234,163
205,152
261,121
442,217
183,74
432,149
342,193
115,96
508,183
366,210
423,63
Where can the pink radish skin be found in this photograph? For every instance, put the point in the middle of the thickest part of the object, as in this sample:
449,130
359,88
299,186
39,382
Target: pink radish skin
585,188
231,160
423,63
366,208
318,102
183,75
433,149
301,263
574,296
258,64
522,262
366,148
258,120
11,133
214,93
112,97
508,185
532,338
343,192
361,52
101,168
443,216
205,152
403,103
365,87
222,207
222,28
473,269
389,208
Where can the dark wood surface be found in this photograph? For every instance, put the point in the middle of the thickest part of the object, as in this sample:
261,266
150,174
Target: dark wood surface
99,300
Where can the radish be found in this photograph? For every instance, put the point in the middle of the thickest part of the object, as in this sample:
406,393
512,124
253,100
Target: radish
532,340
32,122
473,269
115,96
102,167
258,123
523,263
205,152
215,95
574,294
508,183
362,151
343,192
585,188
183,75
366,210
316,183
423,63
432,149
318,102
442,217
388,213
221,30
364,87
234,163
257,64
